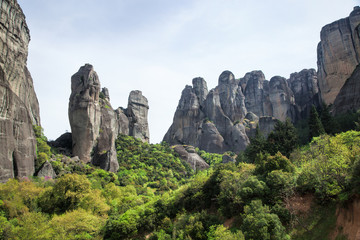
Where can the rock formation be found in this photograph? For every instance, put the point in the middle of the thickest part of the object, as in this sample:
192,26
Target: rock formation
188,154
304,85
348,98
19,108
95,125
209,120
282,99
224,118
137,113
338,54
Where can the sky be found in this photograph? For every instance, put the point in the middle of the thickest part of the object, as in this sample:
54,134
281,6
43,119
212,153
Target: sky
159,46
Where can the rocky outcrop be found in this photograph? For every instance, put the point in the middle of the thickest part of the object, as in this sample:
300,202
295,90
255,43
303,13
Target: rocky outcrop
348,98
137,113
63,144
257,94
84,112
224,118
188,154
95,125
282,99
46,170
305,87
338,54
210,120
19,108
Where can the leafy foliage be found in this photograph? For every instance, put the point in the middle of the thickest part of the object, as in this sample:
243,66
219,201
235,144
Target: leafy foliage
315,126
149,165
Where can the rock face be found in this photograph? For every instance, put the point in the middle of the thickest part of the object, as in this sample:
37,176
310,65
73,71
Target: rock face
282,99
19,108
348,98
224,118
137,113
188,154
95,125
338,54
209,120
305,87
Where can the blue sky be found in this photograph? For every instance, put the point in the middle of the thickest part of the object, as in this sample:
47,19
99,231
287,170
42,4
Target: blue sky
159,46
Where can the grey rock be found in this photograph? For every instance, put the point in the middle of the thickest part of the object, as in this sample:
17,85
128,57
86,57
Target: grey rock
137,113
191,157
84,111
122,121
282,99
266,125
210,139
19,108
232,99
187,120
46,170
338,54
95,125
200,89
304,85
63,144
104,151
257,94
105,93
348,98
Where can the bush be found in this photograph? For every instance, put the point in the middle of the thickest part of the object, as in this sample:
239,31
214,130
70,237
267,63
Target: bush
260,223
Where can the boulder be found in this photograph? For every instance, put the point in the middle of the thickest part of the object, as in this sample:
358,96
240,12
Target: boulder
46,170
189,155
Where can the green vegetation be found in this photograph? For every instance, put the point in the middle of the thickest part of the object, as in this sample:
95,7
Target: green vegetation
156,195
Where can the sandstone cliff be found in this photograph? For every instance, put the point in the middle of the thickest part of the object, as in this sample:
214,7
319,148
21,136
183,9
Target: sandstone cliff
95,125
338,54
19,108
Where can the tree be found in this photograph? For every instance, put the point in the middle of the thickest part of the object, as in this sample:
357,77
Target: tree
282,139
219,232
257,145
327,119
260,223
315,126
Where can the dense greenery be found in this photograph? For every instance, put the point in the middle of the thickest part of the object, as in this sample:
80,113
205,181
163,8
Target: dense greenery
156,195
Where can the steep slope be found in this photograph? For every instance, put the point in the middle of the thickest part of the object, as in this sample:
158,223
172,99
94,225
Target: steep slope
19,108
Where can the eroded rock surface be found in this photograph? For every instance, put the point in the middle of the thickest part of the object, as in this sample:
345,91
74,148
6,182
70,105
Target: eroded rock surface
95,125
304,85
348,98
189,154
19,108
338,54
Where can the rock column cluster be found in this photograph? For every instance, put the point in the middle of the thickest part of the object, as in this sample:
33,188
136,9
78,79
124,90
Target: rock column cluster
95,125
224,118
